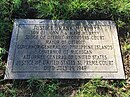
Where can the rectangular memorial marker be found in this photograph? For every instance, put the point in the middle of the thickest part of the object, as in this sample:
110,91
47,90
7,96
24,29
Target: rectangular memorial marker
64,49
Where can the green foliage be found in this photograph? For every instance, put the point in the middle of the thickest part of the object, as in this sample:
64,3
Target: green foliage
52,9
103,88
90,89
66,9
5,28
50,88
126,44
84,9
17,4
2,95
2,52
126,47
117,10
42,88
9,91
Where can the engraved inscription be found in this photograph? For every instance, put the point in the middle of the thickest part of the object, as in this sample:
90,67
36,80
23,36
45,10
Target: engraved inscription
64,47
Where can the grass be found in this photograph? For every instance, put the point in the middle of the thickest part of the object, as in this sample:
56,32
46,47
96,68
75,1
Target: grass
103,88
58,88
117,10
